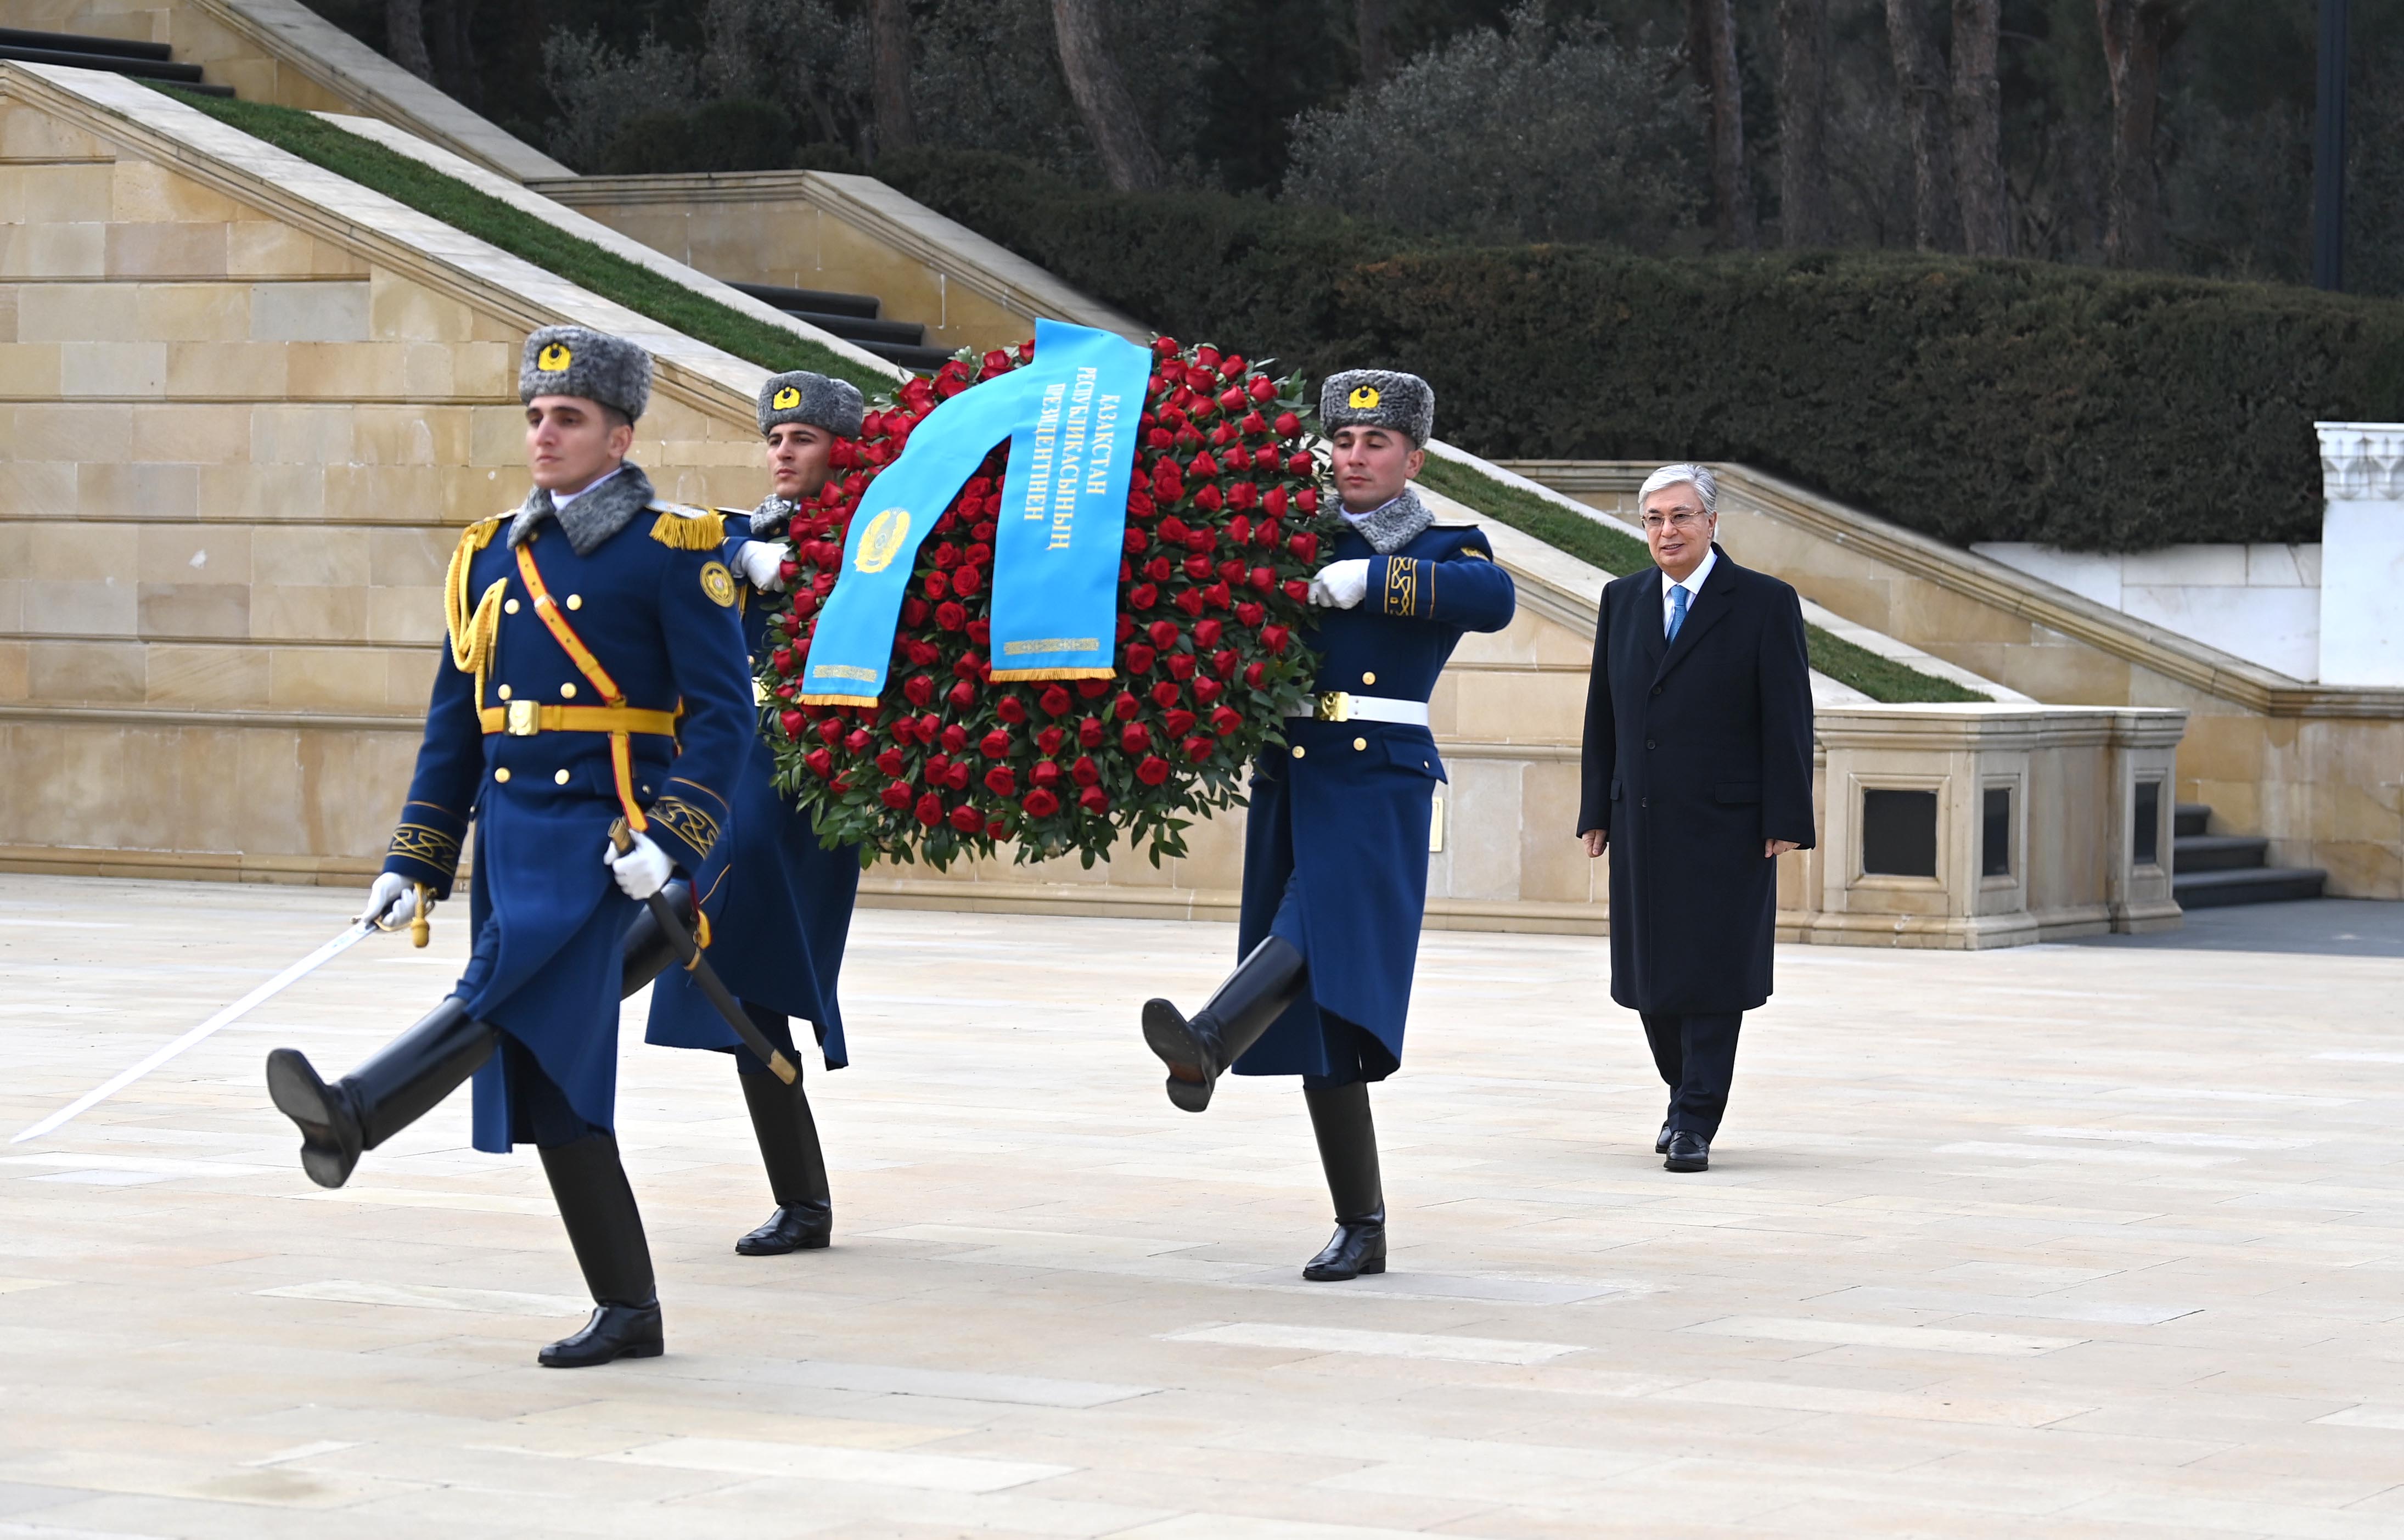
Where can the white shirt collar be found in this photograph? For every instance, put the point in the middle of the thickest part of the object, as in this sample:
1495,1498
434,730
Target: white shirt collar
559,500
1692,582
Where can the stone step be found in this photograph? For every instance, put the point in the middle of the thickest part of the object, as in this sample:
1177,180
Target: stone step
2255,885
2218,852
2191,817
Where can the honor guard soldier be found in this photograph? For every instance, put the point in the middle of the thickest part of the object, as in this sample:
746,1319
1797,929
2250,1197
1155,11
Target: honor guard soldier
784,910
1336,845
595,673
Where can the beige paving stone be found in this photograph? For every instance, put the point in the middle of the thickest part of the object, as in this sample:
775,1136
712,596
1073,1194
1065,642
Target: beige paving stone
1956,1271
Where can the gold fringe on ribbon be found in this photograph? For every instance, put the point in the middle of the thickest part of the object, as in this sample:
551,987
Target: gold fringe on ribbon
838,700
1003,675
690,531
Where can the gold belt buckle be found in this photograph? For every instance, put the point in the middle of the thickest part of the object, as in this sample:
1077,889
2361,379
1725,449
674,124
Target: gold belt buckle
524,719
1334,705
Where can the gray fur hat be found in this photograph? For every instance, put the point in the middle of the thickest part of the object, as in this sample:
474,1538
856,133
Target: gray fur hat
813,400
1377,398
574,360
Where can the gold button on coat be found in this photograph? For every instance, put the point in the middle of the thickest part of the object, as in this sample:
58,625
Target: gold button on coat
561,778
1297,750
505,691
567,691
1359,744
509,607
502,774
1368,678
576,601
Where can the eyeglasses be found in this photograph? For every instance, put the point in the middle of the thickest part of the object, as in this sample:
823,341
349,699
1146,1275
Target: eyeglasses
1685,523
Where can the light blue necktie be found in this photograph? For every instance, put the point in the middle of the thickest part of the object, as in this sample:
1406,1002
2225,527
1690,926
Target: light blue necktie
1677,609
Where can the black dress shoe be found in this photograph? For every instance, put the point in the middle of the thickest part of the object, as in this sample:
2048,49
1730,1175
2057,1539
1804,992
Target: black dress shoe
1661,1141
794,1227
1689,1153
1359,1247
615,1331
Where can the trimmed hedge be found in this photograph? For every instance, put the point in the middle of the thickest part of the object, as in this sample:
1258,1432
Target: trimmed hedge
546,246
1973,400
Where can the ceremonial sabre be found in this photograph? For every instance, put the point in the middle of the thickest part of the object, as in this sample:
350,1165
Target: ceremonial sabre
358,932
622,840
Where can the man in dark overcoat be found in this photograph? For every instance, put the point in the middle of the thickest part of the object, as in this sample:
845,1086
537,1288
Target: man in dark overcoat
1697,775
783,914
1336,844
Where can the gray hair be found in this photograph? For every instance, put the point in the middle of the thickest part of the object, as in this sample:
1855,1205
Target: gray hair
1707,486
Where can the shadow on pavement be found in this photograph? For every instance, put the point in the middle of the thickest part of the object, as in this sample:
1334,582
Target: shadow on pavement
2353,928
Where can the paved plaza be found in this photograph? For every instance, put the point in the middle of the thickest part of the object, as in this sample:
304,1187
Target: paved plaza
2085,1241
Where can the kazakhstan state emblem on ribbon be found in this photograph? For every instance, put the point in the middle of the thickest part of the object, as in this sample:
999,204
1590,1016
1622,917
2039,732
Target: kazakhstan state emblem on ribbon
1363,399
786,399
552,359
881,541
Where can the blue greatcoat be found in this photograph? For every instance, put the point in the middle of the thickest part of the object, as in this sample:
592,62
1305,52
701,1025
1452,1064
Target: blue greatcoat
655,606
778,935
1336,845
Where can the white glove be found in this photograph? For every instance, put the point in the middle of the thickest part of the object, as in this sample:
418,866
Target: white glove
392,901
1341,586
641,871
763,563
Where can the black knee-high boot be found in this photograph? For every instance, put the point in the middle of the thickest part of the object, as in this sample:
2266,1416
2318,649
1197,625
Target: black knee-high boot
797,1173
1348,1152
1198,1049
597,1204
400,1083
647,952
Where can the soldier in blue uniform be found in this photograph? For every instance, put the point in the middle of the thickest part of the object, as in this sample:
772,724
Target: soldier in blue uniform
594,672
783,911
1336,844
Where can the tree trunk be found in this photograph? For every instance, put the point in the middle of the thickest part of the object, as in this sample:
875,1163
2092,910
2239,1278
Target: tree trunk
404,36
888,35
2134,34
1978,128
1369,26
1101,97
1920,75
1803,123
447,23
1711,42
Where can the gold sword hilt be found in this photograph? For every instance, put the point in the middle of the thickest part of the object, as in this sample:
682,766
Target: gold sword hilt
622,839
421,928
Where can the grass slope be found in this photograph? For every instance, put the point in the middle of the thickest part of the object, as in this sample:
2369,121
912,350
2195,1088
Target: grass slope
536,241
1600,545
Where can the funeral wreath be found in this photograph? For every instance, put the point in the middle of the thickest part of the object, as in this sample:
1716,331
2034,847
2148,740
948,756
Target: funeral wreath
1224,525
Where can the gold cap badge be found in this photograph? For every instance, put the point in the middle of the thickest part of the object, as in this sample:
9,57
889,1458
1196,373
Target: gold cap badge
786,399
1363,398
553,358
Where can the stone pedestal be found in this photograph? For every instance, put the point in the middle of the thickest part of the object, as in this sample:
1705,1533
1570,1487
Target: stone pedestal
1976,826
2362,553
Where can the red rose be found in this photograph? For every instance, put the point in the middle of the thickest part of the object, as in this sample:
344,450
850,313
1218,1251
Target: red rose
1092,690
1173,532
1207,356
929,810
1134,738
966,580
1166,347
1197,749
1041,803
1206,690
1125,705
967,819
895,795
1153,771
1242,495
1262,579
1209,499
1305,546
1089,731
1273,637
1011,710
1084,772
1164,693
1001,781
955,737
946,557
1144,595
1307,500
781,660
1222,663
1273,501
1199,541
1043,773
1297,590
1206,632
1139,658
913,611
957,777
918,689
793,722
994,744
939,584
1255,425
980,632
1048,742
821,764
938,766
830,730
1093,800
1198,568
1298,463
1251,614
1163,634
1178,722
1231,399
1190,600
950,616
963,694
1219,595
805,604
1165,483
1134,542
857,740
1227,721
1160,568
890,763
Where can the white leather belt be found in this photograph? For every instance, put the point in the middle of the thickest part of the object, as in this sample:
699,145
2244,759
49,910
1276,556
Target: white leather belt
1342,706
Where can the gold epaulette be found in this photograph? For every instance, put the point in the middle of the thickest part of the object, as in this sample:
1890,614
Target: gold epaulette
470,624
682,528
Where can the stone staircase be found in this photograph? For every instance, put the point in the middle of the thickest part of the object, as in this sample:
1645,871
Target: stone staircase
855,318
2212,871
117,55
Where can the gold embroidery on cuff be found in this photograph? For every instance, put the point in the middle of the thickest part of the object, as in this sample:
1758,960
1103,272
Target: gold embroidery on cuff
686,821
1401,586
431,846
